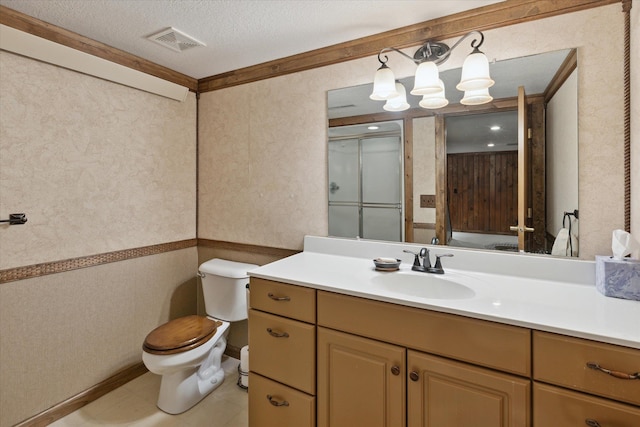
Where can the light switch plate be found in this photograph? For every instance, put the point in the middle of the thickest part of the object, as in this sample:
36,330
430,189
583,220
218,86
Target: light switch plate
427,201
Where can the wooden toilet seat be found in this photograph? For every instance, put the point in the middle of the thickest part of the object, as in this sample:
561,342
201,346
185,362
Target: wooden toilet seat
180,335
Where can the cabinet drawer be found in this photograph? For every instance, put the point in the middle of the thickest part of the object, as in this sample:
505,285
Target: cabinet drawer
553,406
562,360
503,347
286,300
272,404
283,349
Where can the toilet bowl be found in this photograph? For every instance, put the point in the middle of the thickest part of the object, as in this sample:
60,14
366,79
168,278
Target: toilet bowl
188,351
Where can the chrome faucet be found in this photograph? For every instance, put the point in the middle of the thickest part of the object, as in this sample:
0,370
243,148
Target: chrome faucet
424,255
425,266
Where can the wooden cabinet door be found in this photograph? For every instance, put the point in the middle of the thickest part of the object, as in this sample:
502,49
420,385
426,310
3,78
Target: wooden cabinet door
361,382
444,393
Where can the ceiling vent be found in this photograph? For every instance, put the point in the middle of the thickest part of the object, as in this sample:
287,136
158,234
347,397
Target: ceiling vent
175,40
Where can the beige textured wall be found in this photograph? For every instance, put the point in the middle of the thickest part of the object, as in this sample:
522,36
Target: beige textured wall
424,176
66,332
263,144
262,168
424,167
561,150
96,167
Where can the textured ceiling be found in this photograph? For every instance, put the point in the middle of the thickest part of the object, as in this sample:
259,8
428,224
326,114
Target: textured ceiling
237,33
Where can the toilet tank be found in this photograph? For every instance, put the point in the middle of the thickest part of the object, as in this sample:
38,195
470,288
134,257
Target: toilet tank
224,288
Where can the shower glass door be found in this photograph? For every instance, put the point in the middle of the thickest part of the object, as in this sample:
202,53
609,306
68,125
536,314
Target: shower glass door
365,185
344,188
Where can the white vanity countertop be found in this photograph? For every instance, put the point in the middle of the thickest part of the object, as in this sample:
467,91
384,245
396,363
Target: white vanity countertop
560,306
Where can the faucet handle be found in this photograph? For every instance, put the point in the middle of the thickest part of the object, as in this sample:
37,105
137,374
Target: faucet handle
437,269
438,263
416,259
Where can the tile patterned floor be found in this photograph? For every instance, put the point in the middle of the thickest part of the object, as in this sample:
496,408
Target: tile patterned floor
134,404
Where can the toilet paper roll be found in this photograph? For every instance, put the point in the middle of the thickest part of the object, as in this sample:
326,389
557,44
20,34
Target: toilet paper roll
244,359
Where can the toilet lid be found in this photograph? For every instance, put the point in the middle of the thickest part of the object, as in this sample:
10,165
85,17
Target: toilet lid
182,334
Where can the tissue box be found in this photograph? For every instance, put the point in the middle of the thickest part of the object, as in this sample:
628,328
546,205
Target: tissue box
618,278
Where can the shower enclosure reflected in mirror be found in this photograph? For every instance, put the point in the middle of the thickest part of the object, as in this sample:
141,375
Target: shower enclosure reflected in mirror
447,157
365,181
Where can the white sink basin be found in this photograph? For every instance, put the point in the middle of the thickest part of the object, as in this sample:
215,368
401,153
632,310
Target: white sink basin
423,285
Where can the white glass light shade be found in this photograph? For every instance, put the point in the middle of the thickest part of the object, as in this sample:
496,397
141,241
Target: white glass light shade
475,73
435,100
426,80
476,97
384,84
399,103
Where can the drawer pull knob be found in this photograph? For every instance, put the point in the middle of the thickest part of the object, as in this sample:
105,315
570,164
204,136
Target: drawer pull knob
277,298
617,374
592,423
277,334
414,376
395,370
274,402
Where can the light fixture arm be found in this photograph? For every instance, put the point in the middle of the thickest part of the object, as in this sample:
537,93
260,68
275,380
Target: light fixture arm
436,52
386,58
473,42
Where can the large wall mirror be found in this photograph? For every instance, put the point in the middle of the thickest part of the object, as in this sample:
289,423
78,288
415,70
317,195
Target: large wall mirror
460,171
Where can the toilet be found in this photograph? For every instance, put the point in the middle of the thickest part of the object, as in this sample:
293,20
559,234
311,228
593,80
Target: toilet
188,351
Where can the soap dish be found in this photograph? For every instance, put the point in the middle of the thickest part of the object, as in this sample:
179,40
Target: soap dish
387,264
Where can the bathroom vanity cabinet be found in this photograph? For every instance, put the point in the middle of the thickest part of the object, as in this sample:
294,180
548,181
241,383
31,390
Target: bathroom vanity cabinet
359,361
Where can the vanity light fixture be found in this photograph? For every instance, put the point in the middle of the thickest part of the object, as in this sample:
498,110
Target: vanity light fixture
474,82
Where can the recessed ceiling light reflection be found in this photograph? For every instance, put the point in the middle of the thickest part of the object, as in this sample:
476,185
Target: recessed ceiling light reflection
373,127
491,144
495,127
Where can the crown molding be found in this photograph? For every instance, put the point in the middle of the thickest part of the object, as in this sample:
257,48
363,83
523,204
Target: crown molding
496,15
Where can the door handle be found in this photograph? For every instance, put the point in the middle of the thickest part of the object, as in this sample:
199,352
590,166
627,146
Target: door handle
275,402
277,334
277,298
521,229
